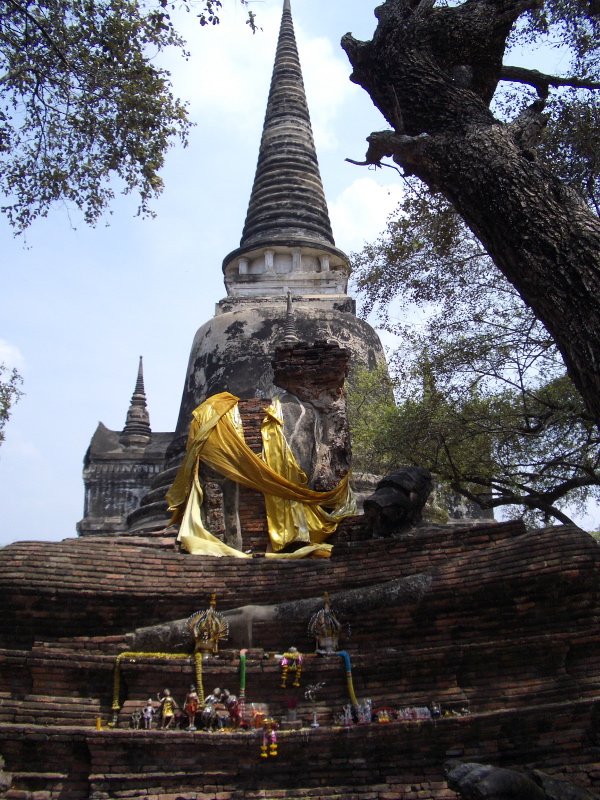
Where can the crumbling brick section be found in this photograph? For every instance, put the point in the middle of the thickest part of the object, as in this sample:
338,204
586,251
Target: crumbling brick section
313,373
316,374
253,515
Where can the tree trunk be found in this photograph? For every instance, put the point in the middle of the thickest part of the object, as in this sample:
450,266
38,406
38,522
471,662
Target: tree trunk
435,92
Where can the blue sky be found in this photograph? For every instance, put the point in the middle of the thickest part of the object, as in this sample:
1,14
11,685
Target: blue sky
79,305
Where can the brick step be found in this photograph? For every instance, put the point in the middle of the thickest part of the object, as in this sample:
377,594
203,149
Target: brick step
432,644
569,667
424,790
46,710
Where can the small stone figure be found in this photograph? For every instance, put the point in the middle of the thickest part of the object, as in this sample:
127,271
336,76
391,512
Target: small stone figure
136,718
148,714
190,707
167,709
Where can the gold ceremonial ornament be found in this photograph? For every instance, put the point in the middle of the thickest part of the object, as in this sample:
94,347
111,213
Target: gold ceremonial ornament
326,628
208,628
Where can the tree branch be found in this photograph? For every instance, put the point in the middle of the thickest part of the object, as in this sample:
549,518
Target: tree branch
510,498
43,31
541,80
405,150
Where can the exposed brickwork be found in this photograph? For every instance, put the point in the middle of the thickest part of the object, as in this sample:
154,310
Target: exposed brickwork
507,625
375,762
82,587
311,372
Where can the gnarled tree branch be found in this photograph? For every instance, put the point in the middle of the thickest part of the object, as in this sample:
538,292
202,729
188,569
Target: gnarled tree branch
541,81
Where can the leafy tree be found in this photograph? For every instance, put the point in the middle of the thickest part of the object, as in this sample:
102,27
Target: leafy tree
433,69
81,101
9,394
483,398
371,415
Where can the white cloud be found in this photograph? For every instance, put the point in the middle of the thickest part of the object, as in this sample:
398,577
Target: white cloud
227,76
229,72
360,212
327,86
11,356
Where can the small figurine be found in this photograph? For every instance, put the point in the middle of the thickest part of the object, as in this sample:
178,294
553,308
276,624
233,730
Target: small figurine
232,705
148,714
136,718
365,712
167,709
212,716
190,707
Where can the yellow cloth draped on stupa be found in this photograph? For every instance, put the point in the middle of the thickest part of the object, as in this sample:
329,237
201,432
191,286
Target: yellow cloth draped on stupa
294,512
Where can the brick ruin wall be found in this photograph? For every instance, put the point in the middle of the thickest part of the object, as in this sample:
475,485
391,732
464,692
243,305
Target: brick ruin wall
508,627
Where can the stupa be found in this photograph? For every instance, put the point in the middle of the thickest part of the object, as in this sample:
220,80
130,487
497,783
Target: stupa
286,249
478,643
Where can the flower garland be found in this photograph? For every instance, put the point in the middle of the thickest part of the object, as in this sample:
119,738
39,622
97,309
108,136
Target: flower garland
199,680
292,660
267,750
117,671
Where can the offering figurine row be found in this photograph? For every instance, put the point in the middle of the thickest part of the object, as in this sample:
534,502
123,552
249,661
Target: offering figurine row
221,709
364,713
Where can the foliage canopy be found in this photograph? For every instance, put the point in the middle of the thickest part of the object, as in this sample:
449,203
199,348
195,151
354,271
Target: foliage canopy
9,394
483,397
82,101
512,150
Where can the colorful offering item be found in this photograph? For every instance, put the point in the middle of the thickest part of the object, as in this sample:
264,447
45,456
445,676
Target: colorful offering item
242,700
269,734
208,628
258,713
325,627
291,661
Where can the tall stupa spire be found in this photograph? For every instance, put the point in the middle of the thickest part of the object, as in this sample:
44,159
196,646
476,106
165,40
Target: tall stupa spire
287,199
136,432
287,229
